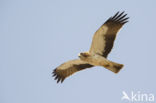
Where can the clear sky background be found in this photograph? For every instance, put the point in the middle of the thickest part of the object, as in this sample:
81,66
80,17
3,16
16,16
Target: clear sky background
36,36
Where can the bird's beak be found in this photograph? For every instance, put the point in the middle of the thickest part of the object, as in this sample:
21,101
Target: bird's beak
79,55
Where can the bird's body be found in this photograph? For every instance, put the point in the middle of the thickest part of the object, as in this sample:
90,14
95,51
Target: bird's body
98,60
101,46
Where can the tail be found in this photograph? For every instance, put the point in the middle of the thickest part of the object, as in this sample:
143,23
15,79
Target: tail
114,67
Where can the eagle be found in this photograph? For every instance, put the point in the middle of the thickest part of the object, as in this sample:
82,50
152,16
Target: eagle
101,46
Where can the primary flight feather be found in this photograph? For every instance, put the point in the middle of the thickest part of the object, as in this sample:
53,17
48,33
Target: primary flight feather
101,46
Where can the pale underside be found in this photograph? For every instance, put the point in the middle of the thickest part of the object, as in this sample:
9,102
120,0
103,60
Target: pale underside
98,38
99,42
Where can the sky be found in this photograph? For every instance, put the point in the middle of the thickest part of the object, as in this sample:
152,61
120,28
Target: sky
36,36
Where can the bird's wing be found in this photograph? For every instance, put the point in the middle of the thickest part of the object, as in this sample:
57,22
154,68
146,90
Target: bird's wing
68,68
104,37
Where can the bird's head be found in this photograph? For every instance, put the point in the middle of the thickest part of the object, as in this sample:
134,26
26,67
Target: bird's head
84,55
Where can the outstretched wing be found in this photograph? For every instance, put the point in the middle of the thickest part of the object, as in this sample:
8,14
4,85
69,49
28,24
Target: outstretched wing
104,37
68,68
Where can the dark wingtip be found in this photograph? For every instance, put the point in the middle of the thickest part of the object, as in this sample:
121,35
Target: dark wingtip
62,80
119,18
58,80
57,77
115,15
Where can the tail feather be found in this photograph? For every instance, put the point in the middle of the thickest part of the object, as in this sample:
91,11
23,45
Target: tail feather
114,67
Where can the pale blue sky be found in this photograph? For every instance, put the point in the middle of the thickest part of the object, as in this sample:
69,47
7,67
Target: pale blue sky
36,36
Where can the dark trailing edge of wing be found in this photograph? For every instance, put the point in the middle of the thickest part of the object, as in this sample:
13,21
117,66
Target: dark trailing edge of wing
117,20
61,78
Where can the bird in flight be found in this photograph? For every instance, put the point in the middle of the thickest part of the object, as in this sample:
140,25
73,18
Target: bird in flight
101,46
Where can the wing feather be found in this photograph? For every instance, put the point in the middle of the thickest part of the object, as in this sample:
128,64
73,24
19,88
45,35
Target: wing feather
68,68
104,37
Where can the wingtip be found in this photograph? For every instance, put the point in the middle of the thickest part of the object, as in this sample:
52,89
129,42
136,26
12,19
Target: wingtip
57,77
115,15
58,80
119,18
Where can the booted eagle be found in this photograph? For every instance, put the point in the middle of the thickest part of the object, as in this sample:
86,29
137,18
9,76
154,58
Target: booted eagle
101,46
